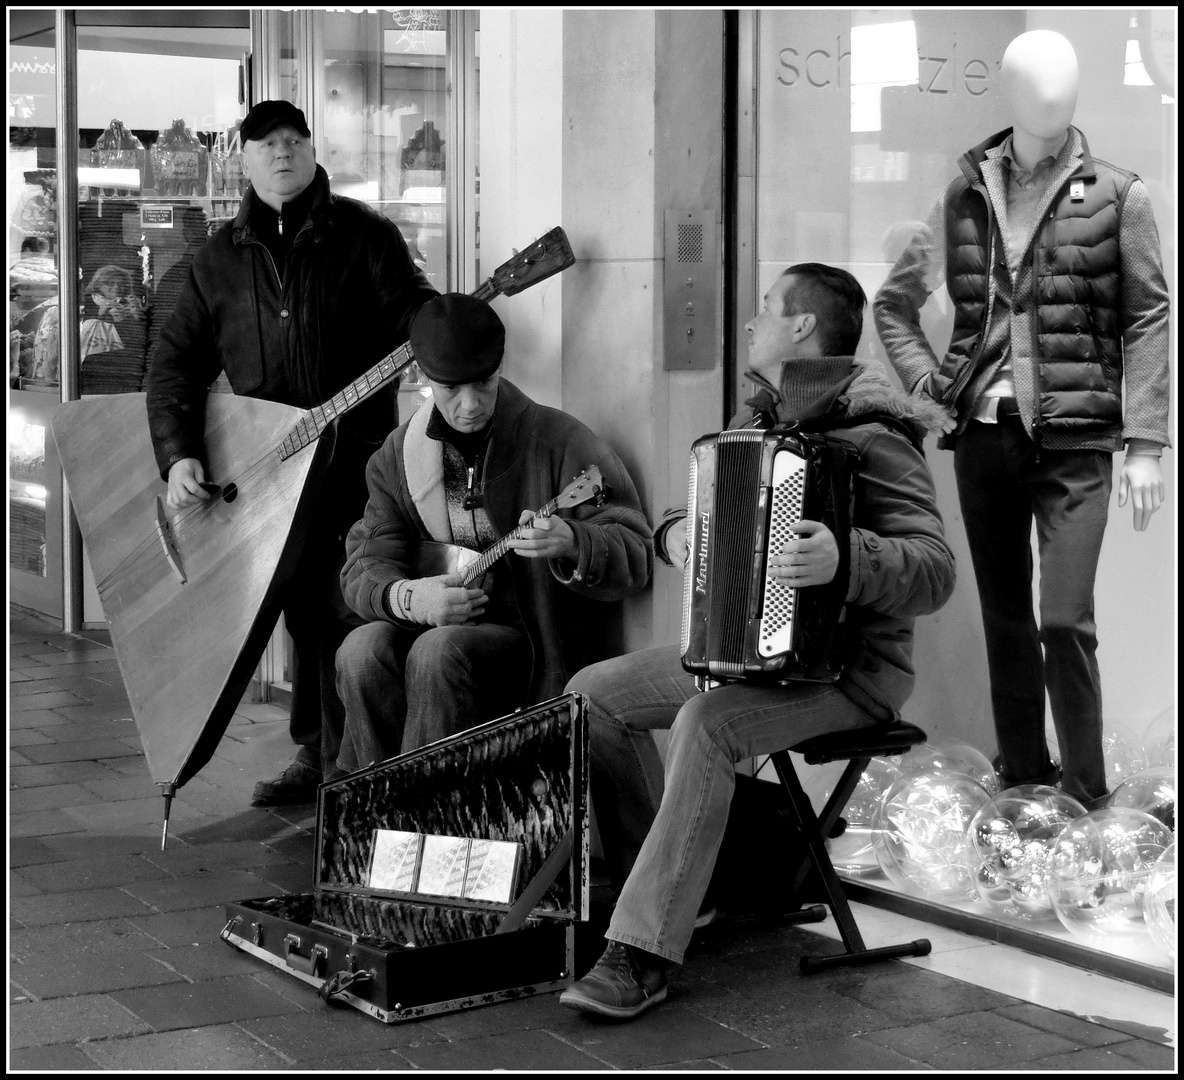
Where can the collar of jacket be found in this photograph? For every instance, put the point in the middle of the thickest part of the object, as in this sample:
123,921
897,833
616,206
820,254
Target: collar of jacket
241,227
971,162
869,390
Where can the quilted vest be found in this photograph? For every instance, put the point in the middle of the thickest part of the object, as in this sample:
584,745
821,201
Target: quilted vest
1077,339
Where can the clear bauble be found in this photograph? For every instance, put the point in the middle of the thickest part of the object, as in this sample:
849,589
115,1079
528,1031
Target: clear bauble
920,832
1009,844
1100,869
1159,903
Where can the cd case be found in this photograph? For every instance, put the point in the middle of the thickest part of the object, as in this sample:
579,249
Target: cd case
453,866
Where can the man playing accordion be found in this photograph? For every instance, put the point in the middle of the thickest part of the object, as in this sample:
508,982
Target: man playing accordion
661,835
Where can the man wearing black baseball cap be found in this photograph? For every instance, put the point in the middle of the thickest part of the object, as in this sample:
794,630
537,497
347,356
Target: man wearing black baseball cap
436,657
303,292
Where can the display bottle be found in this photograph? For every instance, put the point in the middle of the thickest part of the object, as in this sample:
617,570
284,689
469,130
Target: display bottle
179,162
118,148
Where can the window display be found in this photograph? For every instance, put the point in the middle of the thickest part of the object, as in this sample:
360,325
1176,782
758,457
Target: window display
861,116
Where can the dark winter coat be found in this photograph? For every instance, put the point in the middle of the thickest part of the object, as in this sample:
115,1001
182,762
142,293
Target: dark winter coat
296,334
533,453
900,565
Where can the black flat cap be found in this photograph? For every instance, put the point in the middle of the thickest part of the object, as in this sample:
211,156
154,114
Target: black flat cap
268,115
457,339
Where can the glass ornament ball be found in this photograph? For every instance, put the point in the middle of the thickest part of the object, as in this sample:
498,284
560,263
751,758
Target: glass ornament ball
952,757
852,852
1009,844
1153,791
1100,869
1159,740
1123,755
921,830
1159,903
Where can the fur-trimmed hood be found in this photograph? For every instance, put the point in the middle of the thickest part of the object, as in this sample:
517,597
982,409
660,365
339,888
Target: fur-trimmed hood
871,389
866,388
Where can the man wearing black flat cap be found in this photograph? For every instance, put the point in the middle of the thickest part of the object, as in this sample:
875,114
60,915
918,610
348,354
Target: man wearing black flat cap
299,295
436,657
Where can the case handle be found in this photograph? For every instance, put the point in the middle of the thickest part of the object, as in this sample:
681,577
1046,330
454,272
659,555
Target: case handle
317,955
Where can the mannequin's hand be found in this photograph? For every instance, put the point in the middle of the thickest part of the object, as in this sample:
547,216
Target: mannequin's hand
811,559
1141,481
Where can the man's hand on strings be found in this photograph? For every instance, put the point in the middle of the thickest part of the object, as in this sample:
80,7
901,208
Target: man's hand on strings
544,538
186,477
811,558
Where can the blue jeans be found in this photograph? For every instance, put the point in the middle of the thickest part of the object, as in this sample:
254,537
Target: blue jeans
404,688
662,835
1003,485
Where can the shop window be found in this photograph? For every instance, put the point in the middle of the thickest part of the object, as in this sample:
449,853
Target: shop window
861,115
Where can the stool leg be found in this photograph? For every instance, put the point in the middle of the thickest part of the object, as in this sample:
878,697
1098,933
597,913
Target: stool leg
815,829
810,827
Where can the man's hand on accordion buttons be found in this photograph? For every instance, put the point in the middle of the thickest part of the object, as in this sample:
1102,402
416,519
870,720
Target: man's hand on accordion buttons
812,558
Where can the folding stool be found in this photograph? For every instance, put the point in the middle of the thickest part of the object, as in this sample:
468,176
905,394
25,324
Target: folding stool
857,748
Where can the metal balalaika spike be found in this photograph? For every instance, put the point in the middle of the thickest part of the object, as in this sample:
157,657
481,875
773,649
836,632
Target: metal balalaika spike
168,791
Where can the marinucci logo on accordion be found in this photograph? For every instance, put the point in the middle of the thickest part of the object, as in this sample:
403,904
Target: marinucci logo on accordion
704,536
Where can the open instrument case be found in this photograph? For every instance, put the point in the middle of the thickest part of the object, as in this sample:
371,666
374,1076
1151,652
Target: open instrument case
401,955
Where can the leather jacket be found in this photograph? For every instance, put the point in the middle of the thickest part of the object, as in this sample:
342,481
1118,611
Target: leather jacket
296,333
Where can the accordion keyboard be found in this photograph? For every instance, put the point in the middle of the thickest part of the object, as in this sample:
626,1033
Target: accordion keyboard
777,614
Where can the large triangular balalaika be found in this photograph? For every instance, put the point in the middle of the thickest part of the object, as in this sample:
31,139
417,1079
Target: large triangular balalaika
191,596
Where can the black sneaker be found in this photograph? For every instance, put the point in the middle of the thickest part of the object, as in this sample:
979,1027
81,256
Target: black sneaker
625,982
296,785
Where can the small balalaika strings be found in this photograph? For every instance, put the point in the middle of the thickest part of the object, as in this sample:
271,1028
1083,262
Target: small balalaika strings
305,432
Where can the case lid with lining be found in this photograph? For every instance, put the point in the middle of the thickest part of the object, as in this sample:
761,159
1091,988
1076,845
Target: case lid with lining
522,778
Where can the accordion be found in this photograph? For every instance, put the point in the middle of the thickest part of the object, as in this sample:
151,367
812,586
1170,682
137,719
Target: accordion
747,487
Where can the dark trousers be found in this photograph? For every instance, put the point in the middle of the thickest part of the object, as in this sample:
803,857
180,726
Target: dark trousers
1003,486
318,620
316,614
406,687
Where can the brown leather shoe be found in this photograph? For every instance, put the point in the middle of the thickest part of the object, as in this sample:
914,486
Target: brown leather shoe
624,983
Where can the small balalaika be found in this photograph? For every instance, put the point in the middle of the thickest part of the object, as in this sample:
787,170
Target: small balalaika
747,488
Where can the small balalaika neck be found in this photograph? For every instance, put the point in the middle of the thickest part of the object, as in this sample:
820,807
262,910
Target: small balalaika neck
472,571
308,429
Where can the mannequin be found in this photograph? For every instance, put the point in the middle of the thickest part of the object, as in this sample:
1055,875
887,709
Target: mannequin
1064,363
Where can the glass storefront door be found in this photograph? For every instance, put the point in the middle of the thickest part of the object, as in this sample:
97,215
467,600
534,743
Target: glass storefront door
158,101
34,486
391,97
391,94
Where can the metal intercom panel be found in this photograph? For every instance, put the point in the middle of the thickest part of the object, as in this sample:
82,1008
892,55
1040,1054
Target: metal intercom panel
691,290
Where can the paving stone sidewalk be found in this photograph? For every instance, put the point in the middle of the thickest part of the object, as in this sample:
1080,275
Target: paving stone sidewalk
115,960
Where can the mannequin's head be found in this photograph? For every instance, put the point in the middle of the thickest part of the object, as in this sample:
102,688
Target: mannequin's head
1040,83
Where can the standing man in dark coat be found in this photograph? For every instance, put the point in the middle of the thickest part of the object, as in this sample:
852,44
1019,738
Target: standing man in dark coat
298,296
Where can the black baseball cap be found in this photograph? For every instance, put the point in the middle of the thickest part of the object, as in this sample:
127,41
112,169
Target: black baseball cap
268,115
457,339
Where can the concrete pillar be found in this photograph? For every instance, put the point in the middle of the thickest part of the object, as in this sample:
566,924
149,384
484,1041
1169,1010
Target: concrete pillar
600,121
